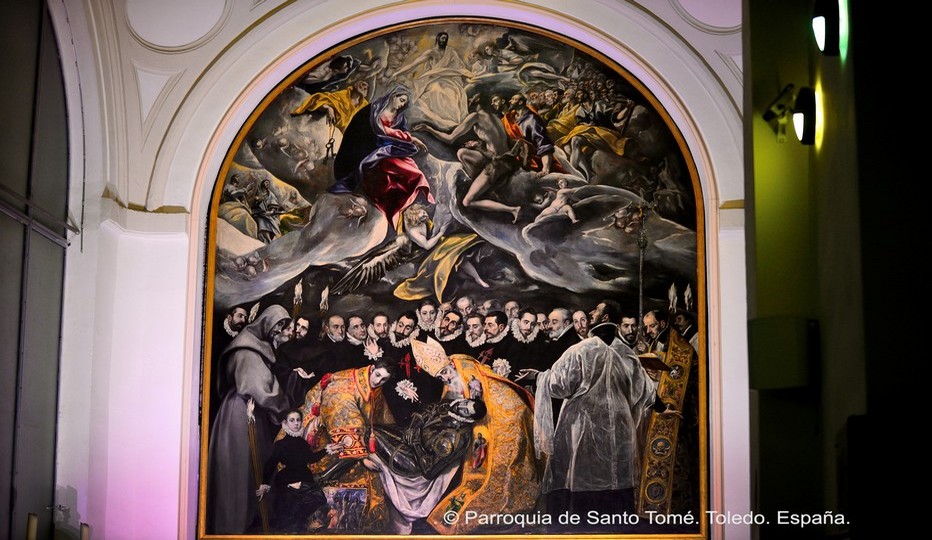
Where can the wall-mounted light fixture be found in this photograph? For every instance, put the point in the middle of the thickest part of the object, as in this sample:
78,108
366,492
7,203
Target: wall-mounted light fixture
826,26
776,112
802,108
804,115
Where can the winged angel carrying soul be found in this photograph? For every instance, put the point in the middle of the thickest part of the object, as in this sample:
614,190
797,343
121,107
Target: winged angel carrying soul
444,297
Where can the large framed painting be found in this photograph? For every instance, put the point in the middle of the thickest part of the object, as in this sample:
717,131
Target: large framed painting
455,286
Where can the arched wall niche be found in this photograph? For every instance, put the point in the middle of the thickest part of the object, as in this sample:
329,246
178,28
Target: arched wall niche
696,103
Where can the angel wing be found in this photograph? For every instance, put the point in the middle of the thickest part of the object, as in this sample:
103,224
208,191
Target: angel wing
375,264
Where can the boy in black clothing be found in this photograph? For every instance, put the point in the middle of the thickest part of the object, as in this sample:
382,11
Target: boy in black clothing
297,493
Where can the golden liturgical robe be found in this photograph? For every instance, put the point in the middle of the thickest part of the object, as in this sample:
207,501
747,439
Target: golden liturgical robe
507,480
340,408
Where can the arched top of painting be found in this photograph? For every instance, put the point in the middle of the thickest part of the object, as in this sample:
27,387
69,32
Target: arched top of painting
453,157
548,56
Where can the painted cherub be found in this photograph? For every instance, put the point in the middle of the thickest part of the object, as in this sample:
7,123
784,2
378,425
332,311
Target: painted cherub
557,202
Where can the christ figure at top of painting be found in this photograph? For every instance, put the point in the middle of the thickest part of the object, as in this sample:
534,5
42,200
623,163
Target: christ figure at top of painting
439,93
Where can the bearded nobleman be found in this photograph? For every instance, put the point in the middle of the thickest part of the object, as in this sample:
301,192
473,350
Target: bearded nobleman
528,343
507,479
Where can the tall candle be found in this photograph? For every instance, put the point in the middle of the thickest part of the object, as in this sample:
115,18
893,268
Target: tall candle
32,526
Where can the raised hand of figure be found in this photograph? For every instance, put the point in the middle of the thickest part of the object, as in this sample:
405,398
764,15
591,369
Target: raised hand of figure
371,344
263,489
303,374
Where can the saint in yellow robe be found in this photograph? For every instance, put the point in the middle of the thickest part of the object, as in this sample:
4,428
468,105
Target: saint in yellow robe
563,123
340,102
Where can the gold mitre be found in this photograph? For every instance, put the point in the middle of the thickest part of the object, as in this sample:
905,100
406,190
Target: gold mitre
430,356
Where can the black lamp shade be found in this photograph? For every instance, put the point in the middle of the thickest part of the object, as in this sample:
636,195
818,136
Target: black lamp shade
804,115
825,15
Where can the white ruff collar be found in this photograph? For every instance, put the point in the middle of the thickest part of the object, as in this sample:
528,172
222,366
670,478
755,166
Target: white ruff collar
226,327
520,337
425,327
292,433
352,340
497,338
452,336
404,342
480,341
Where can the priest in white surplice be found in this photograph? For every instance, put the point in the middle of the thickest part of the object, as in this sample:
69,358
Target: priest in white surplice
592,451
